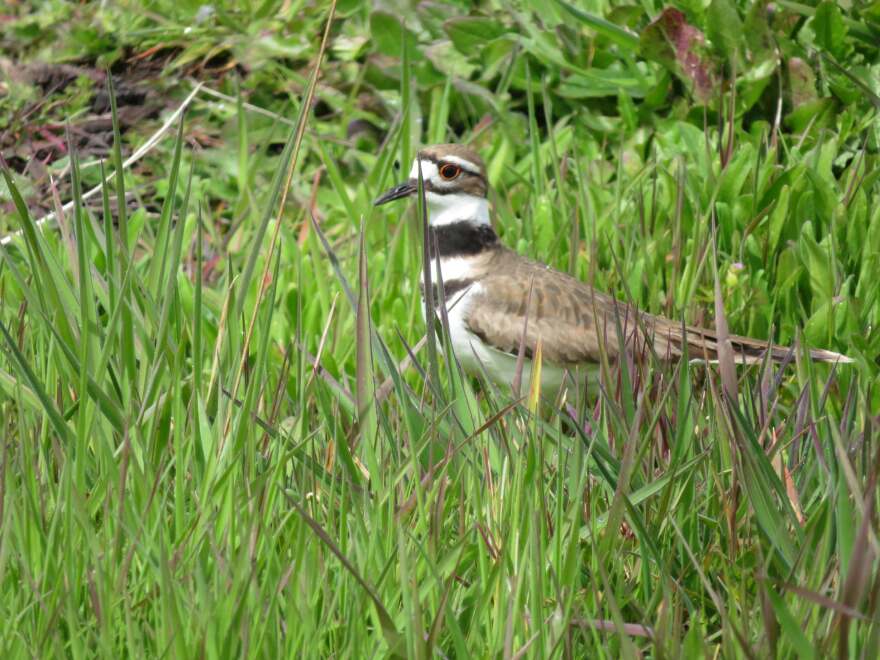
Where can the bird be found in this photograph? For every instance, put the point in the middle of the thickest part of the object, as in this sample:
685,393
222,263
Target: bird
503,308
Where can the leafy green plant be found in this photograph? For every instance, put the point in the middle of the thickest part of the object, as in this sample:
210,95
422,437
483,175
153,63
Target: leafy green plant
226,429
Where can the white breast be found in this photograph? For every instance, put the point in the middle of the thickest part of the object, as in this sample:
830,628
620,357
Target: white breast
453,268
474,356
477,357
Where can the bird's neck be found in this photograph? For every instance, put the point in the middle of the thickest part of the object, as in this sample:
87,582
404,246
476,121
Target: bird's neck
458,226
459,236
460,239
453,208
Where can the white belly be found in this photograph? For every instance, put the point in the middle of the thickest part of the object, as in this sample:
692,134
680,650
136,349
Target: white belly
479,359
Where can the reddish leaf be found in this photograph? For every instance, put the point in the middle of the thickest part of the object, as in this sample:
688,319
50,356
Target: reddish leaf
676,44
801,82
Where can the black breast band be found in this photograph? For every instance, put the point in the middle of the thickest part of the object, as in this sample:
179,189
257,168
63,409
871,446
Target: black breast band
461,238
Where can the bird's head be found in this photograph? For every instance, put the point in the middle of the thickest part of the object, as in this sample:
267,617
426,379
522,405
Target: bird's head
455,184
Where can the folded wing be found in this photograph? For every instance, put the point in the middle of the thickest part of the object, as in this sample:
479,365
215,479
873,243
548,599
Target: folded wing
577,323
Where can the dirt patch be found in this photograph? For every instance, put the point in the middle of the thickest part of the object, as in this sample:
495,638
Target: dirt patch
69,104
53,106
49,107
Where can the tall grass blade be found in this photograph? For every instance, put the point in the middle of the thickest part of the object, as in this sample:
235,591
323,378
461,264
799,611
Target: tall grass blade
392,637
365,384
21,362
129,359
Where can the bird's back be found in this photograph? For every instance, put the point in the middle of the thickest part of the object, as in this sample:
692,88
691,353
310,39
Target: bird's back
576,323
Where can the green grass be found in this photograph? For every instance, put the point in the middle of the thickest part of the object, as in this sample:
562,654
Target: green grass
222,435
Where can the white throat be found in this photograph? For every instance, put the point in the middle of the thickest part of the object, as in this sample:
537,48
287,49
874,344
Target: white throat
451,207
456,207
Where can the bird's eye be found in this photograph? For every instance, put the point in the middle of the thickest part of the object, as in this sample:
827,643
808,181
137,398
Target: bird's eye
449,171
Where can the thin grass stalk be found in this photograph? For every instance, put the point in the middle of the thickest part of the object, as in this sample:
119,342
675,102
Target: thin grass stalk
300,132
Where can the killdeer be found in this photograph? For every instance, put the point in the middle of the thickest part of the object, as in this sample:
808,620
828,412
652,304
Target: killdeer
501,304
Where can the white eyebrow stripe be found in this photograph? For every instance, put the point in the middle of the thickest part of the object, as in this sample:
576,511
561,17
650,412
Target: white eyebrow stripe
462,163
429,169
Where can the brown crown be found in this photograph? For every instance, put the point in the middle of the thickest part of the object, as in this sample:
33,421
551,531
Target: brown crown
438,151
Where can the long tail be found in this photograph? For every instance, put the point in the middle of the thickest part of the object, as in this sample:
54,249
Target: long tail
702,344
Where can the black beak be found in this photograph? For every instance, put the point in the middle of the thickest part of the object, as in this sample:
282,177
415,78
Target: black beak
404,189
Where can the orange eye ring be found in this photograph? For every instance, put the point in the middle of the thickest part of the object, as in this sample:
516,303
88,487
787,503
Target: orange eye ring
449,171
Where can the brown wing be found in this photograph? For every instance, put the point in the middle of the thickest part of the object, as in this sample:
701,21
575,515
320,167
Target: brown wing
703,344
574,320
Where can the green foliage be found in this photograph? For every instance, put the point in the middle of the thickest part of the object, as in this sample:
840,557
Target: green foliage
215,443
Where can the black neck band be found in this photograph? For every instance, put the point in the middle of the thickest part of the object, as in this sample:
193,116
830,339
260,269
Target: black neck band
460,238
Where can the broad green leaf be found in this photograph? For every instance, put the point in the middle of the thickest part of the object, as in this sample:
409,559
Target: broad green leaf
830,29
778,217
596,83
388,33
824,194
724,28
817,262
470,34
619,35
